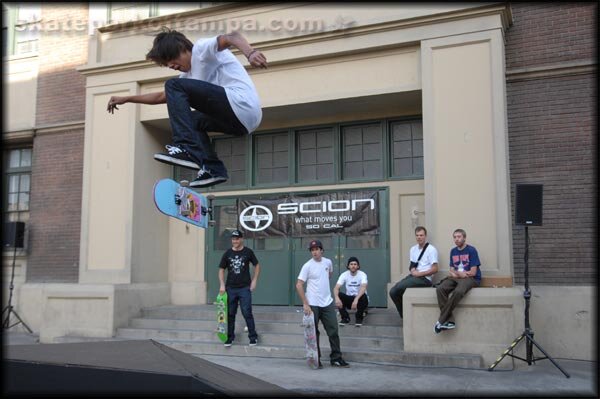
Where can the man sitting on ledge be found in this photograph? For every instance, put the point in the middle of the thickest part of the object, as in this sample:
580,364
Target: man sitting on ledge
464,275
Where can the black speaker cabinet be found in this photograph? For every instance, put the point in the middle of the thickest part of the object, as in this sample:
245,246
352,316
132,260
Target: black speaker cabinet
528,204
13,235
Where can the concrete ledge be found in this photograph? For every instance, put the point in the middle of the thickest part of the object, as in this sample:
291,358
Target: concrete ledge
487,321
89,310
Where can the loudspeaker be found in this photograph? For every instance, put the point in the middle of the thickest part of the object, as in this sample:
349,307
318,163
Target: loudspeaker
13,235
528,204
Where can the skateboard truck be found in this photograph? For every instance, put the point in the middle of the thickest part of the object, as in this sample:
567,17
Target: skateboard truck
211,220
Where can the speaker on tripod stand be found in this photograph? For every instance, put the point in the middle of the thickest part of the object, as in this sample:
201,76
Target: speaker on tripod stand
13,236
528,212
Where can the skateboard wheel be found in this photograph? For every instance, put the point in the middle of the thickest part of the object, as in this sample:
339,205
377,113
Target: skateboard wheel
184,183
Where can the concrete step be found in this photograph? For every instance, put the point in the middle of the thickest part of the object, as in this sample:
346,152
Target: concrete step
271,339
350,354
263,326
376,316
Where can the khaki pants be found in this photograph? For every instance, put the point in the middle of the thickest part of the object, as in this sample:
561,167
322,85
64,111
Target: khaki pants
450,292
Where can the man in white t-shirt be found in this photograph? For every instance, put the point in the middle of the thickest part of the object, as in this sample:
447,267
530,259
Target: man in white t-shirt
423,265
318,301
355,298
212,82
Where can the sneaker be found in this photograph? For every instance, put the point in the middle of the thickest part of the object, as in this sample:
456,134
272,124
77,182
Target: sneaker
358,323
437,328
228,343
206,179
343,322
320,365
448,325
339,363
253,342
176,156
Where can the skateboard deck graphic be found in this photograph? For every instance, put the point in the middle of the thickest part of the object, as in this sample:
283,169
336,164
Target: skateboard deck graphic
221,304
310,341
180,202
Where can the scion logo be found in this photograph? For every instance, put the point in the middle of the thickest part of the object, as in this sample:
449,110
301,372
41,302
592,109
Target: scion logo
256,218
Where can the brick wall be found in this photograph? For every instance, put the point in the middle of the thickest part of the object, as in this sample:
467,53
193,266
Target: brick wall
552,126
55,217
61,88
57,169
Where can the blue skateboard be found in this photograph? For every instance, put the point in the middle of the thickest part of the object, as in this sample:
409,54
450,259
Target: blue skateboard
179,201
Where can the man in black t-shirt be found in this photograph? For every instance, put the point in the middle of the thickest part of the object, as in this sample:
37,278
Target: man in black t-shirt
239,285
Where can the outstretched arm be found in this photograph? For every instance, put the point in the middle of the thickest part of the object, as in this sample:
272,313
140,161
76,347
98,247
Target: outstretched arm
235,39
150,98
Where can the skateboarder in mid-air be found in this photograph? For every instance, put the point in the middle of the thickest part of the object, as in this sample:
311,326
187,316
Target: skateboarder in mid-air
212,82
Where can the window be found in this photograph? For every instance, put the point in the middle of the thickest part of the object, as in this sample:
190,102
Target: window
232,151
20,28
17,183
271,156
315,156
130,11
362,152
406,149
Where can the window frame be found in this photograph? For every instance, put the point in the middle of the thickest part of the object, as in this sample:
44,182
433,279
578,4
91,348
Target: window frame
336,128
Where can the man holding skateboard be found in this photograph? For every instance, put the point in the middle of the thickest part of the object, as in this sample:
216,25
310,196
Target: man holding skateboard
239,285
318,301
212,82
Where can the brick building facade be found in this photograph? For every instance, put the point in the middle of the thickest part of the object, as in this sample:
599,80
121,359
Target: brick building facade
552,97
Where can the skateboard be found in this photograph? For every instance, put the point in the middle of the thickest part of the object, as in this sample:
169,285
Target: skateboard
178,201
221,303
310,341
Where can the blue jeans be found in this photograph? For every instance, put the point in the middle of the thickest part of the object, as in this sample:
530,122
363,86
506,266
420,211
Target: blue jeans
190,128
244,297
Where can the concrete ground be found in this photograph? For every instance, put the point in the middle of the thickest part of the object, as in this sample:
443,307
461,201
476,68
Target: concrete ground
511,377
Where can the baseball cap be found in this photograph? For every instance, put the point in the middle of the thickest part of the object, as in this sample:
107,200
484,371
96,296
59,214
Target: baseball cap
315,243
236,233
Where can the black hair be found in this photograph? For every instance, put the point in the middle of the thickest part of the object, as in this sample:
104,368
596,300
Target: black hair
353,259
168,45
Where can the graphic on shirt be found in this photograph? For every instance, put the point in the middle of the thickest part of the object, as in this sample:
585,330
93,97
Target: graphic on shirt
461,261
236,264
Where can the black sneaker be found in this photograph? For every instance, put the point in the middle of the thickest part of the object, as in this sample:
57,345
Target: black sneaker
358,323
253,342
437,328
228,343
449,325
339,363
343,322
176,156
206,179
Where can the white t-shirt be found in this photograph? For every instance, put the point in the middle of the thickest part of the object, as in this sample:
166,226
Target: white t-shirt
223,69
316,276
429,258
352,283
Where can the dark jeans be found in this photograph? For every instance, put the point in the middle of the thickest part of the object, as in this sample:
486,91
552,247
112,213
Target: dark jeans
347,300
450,292
190,128
328,317
409,281
244,297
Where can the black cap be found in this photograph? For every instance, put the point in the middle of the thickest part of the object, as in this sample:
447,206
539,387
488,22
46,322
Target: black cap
353,259
315,243
237,233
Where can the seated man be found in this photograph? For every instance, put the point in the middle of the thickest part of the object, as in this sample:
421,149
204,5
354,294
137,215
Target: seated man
423,265
355,298
464,275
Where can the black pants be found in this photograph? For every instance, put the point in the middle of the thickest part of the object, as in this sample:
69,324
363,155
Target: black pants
190,128
362,305
328,316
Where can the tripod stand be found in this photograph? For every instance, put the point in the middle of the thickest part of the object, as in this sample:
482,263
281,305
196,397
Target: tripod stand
527,335
9,308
